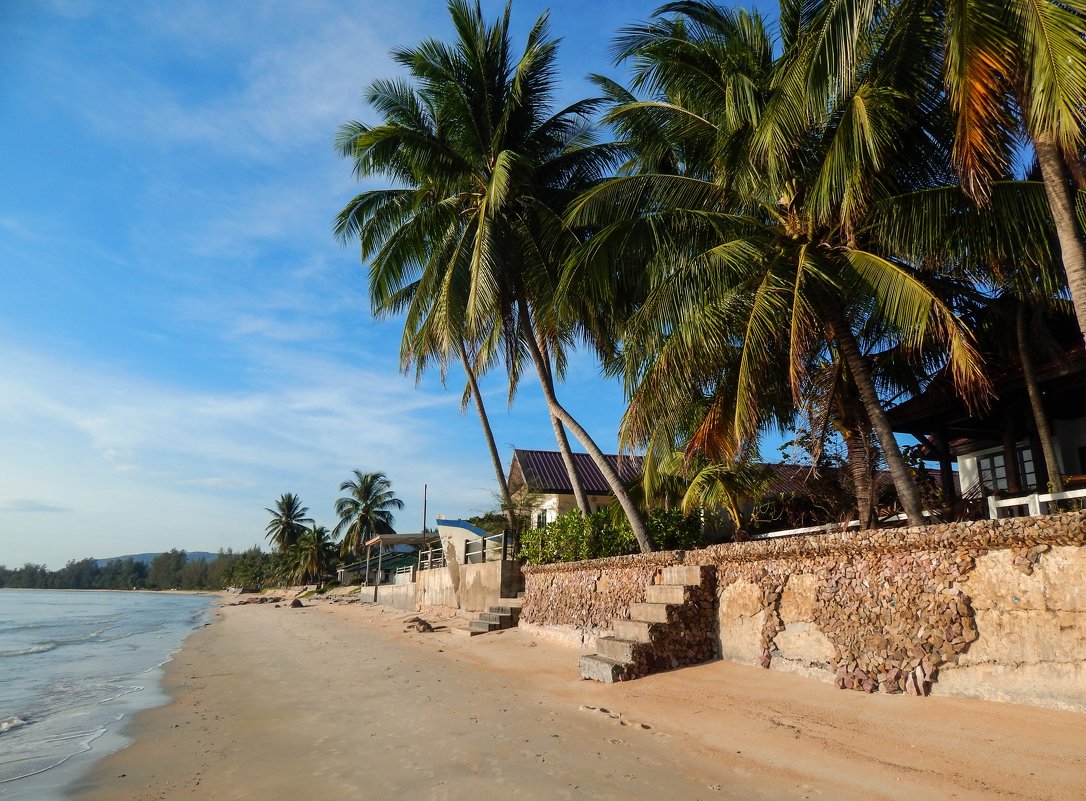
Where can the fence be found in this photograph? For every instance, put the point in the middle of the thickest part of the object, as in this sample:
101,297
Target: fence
432,557
497,547
1036,504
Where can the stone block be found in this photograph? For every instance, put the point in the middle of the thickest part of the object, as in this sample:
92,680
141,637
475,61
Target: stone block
665,594
798,598
684,574
601,668
620,650
740,599
805,644
635,630
997,583
1063,573
652,613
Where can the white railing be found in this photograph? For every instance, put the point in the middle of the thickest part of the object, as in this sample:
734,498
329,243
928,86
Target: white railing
1036,503
432,557
795,532
497,547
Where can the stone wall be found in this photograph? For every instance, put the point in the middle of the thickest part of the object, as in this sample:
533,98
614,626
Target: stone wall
993,608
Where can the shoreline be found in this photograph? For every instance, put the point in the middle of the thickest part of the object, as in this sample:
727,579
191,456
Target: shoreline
335,698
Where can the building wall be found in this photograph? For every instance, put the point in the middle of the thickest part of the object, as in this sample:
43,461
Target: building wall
1070,437
555,505
993,609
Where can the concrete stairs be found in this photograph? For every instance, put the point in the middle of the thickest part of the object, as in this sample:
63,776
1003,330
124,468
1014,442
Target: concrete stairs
504,616
673,609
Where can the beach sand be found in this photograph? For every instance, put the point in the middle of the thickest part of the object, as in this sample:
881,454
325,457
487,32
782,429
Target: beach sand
336,701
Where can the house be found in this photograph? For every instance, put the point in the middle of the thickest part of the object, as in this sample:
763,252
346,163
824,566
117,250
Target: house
997,448
541,478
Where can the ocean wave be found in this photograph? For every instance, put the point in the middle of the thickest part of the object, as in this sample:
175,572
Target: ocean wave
14,722
37,648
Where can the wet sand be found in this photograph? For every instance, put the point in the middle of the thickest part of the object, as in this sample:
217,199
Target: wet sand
338,701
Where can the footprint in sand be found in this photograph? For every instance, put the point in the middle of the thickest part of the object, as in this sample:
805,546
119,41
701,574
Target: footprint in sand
615,716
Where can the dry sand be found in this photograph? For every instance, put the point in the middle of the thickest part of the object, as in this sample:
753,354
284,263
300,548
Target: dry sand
336,701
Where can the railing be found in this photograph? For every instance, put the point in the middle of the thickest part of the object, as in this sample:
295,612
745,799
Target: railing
1036,504
432,557
795,532
497,547
404,575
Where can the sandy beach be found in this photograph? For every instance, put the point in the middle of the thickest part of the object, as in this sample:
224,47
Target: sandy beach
339,701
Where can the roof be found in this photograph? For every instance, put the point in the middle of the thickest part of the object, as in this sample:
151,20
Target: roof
791,479
402,539
939,408
544,471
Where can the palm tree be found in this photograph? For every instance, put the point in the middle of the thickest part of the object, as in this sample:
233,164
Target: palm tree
1013,67
489,168
749,211
365,512
312,556
288,521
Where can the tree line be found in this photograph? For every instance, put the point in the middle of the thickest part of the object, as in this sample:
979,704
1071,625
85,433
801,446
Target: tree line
172,570
770,225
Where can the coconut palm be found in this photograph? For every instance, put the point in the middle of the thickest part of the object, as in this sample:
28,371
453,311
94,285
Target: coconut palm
1010,70
365,512
489,166
312,556
750,213
1019,66
288,521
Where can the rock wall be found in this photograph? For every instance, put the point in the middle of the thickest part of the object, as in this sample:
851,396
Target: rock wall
993,609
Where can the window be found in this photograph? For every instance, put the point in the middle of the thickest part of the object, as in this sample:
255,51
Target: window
993,470
1026,468
541,518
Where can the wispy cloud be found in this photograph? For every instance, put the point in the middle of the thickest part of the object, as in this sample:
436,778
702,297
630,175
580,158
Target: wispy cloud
31,505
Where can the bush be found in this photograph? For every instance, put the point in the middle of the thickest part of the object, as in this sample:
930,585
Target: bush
574,537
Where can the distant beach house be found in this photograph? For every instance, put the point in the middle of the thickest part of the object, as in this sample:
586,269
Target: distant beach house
540,477
997,450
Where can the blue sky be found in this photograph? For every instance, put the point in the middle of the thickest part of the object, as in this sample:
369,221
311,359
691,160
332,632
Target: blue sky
181,338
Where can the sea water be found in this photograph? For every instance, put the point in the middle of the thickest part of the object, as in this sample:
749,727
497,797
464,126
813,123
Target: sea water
73,667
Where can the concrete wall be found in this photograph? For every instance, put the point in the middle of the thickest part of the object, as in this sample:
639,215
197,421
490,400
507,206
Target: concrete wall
400,596
484,585
992,609
438,587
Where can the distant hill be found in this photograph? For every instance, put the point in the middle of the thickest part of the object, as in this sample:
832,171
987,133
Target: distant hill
147,558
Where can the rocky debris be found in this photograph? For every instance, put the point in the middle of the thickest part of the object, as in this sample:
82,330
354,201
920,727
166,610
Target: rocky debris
297,604
419,625
258,599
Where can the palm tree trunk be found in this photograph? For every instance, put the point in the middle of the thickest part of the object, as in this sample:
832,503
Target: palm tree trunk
564,450
1062,204
860,466
1040,417
637,523
495,457
907,491
571,466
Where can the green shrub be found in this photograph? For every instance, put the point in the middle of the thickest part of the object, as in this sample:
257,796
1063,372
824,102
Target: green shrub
574,537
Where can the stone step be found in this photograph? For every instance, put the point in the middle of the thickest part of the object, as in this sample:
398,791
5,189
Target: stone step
506,609
483,626
620,650
602,668
464,631
665,594
683,574
633,630
651,613
503,620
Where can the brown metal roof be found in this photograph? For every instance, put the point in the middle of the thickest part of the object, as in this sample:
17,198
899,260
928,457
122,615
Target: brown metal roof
544,471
